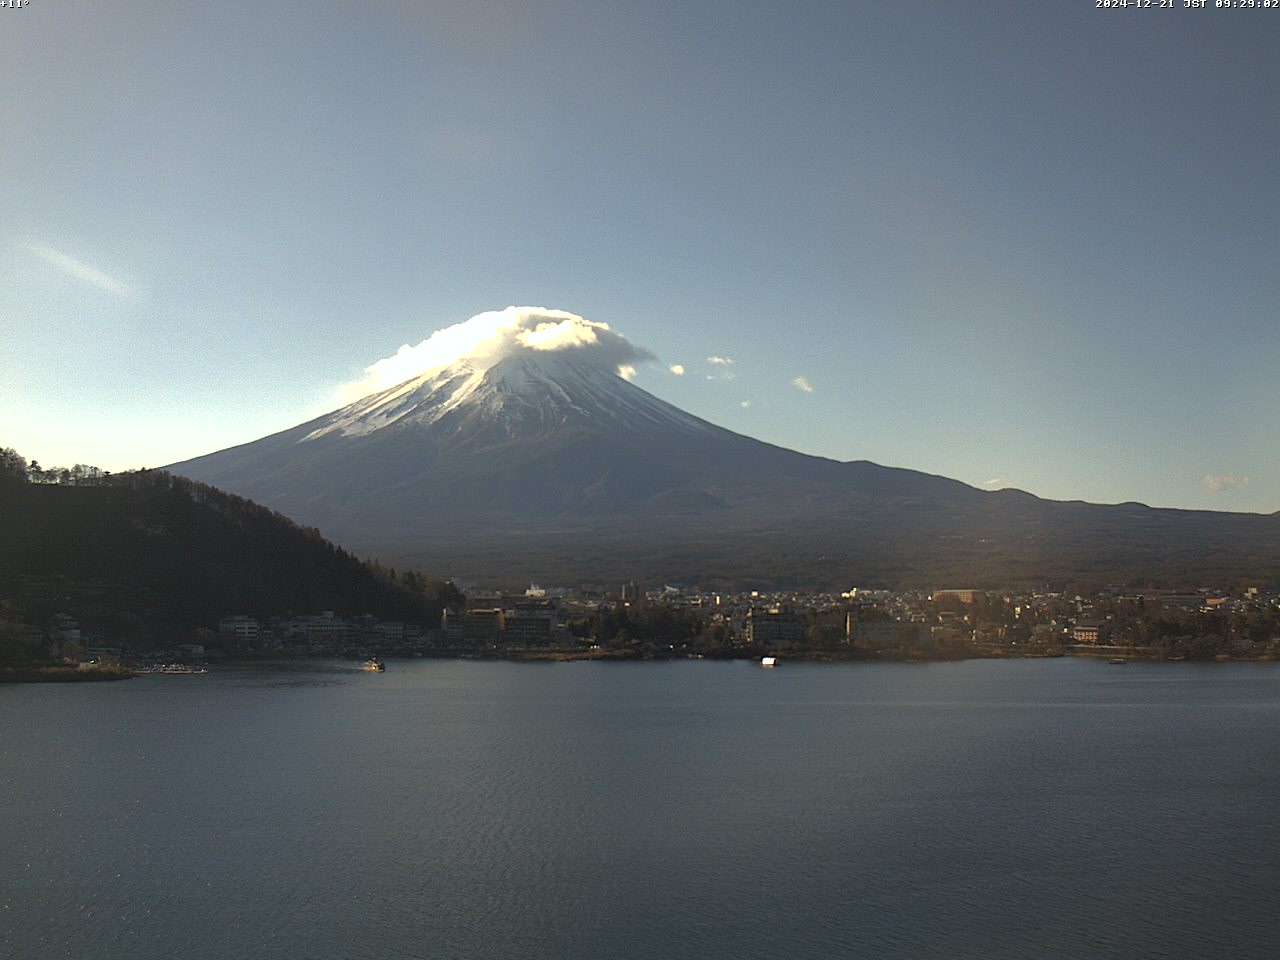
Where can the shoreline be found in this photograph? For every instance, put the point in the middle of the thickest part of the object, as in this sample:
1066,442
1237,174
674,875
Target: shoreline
62,674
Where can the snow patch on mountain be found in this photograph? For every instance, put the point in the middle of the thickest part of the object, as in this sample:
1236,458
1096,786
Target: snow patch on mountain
522,392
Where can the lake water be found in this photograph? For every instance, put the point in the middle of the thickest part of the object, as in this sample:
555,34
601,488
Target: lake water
988,809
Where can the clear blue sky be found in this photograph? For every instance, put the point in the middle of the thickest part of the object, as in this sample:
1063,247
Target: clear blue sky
1015,243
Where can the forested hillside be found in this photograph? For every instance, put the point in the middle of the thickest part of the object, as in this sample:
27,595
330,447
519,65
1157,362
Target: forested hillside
145,557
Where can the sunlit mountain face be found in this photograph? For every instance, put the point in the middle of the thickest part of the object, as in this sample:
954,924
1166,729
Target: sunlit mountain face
547,463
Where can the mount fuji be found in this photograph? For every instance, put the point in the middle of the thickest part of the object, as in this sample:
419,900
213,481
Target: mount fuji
532,457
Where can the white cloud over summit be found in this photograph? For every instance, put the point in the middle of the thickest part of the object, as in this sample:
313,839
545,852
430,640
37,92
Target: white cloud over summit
492,336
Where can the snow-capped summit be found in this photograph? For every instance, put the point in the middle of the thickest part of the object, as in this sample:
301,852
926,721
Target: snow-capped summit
529,392
512,445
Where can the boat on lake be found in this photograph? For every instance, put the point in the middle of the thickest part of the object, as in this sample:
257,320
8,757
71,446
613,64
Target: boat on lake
373,665
768,661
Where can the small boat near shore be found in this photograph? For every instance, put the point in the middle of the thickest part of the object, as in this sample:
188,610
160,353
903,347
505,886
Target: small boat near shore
768,661
1117,660
373,665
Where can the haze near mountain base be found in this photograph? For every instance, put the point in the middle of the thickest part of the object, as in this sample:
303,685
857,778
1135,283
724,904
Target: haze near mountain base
513,446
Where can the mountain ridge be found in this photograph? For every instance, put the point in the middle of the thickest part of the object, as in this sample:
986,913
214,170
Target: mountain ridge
539,464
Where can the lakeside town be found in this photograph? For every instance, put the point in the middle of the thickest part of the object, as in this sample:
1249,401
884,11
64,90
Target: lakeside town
671,622
113,575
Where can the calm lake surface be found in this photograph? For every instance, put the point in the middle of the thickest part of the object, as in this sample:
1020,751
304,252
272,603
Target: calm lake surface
987,809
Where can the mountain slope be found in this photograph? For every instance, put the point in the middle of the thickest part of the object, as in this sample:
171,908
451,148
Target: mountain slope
527,438
542,464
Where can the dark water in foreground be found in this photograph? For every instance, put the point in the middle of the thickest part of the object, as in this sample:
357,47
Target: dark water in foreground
458,809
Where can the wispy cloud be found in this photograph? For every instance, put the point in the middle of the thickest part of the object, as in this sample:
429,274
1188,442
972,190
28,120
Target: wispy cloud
745,404
802,384
677,369
720,368
994,482
1224,481
81,270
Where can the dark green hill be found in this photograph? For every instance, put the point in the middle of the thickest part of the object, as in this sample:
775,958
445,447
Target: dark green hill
146,558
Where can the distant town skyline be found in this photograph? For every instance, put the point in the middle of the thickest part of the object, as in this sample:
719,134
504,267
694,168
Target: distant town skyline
1015,245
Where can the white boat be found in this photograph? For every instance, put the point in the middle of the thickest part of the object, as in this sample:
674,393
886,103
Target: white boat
768,661
374,665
